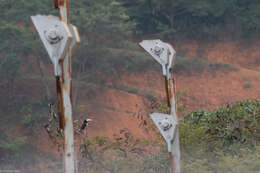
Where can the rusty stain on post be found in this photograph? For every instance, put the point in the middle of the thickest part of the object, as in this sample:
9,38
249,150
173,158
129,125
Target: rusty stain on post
56,4
167,91
60,103
169,101
61,2
64,95
175,159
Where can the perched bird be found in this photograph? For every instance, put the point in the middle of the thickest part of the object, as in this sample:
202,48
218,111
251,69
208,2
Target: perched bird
85,123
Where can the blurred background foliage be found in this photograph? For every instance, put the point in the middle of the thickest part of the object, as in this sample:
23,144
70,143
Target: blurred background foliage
225,140
194,18
109,29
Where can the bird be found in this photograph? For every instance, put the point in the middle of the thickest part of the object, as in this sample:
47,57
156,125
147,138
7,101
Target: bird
85,123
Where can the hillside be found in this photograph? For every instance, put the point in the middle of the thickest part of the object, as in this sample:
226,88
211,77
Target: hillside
117,85
122,103
201,84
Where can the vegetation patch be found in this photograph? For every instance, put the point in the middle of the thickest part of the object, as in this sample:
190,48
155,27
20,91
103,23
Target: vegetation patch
189,65
224,140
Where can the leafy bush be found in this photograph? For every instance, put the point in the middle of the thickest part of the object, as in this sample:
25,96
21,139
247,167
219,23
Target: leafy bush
227,129
224,140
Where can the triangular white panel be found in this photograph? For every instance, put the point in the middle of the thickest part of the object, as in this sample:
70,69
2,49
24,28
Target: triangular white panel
160,52
55,36
166,126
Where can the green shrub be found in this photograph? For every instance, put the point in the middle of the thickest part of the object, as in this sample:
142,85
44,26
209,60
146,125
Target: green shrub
228,128
247,85
224,140
9,144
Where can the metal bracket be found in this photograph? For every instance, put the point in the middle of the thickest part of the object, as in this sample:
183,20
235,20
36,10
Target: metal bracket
162,52
76,39
167,126
56,37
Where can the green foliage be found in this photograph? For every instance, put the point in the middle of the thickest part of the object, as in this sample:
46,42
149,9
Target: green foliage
101,18
193,18
150,96
247,85
224,140
32,113
189,65
106,25
128,89
9,66
227,129
11,144
156,163
20,11
249,162
101,141
10,148
162,108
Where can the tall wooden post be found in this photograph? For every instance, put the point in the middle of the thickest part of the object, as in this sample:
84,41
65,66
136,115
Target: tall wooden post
175,154
64,92
164,53
59,38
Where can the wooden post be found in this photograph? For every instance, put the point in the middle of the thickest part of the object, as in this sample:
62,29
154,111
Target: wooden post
164,53
175,154
64,92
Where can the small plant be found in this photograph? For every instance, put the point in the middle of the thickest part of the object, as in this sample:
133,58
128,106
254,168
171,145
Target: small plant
181,109
149,96
245,78
30,119
101,141
247,85
27,119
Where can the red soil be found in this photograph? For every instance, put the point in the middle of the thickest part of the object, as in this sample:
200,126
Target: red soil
113,109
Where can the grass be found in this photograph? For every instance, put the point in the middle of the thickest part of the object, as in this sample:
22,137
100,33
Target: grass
106,61
189,65
247,85
224,140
